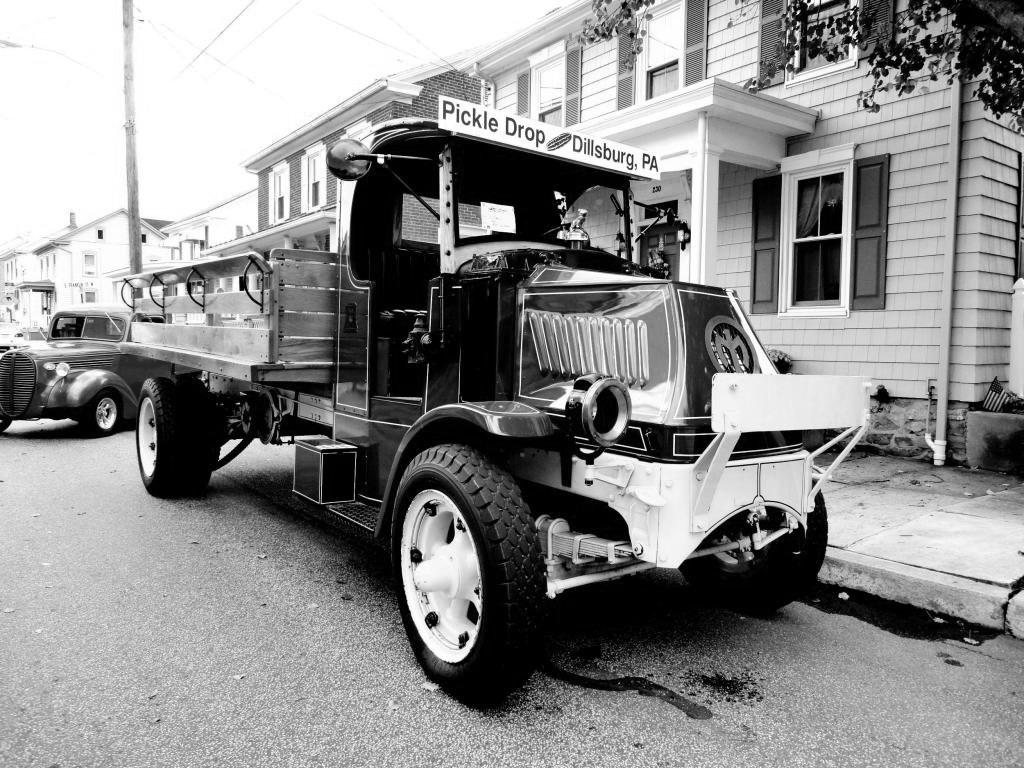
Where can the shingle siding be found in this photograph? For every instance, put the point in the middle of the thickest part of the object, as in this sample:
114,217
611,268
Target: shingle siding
263,199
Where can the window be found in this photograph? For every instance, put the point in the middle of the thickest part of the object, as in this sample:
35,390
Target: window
67,327
239,231
99,234
830,57
313,188
661,51
89,297
817,246
89,264
279,193
104,328
816,232
143,238
550,80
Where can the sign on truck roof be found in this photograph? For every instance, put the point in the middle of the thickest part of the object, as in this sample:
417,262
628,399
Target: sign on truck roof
482,122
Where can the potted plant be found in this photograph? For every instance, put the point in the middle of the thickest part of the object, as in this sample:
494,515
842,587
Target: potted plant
782,361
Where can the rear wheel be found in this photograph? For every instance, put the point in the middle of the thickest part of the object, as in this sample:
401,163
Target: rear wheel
769,578
469,562
172,442
103,413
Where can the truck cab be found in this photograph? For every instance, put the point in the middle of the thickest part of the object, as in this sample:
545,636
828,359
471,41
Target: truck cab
487,377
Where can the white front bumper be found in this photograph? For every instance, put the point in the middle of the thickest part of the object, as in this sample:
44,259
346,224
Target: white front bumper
657,500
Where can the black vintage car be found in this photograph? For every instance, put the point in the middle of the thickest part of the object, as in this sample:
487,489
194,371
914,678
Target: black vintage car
81,372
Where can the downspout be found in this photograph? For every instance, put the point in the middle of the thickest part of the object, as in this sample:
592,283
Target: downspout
938,445
487,86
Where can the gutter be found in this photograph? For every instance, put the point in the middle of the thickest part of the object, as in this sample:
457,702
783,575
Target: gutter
938,445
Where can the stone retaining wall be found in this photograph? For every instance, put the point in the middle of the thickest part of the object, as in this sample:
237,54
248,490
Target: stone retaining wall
899,425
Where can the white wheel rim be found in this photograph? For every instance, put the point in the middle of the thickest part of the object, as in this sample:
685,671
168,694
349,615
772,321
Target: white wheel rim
443,589
106,413
145,433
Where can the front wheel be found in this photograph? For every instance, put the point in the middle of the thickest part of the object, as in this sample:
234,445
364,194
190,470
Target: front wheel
171,441
469,563
102,414
762,582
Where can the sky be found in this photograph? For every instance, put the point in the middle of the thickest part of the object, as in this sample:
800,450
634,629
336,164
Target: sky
279,64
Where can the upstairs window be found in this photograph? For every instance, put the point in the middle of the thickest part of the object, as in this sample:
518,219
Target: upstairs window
279,193
99,234
239,231
89,265
551,91
313,186
662,44
143,238
831,55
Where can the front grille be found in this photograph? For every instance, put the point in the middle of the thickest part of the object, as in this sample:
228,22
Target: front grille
568,346
17,383
90,360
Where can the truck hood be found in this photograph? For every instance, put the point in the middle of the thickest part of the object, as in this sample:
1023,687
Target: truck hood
67,348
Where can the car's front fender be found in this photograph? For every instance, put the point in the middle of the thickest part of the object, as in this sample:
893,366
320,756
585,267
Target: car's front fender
79,387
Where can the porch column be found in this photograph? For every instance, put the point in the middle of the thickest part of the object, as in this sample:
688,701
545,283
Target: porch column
704,227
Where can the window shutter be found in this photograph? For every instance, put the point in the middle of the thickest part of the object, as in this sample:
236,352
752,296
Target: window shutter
880,13
871,196
573,76
764,265
695,55
523,94
771,37
626,70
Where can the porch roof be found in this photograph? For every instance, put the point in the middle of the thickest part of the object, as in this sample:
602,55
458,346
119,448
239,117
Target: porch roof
273,237
744,128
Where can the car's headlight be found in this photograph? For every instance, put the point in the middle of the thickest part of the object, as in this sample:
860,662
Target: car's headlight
61,369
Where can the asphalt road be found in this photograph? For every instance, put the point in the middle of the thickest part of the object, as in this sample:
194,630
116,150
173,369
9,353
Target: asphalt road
235,631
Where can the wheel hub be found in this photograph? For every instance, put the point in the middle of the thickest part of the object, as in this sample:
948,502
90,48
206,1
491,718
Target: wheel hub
106,413
146,437
441,575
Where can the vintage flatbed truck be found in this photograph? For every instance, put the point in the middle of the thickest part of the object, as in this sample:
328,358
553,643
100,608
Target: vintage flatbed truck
512,411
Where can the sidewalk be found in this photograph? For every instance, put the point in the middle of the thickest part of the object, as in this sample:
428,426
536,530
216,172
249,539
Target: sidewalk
947,539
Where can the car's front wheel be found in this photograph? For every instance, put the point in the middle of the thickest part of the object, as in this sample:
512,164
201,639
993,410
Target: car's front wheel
469,562
102,414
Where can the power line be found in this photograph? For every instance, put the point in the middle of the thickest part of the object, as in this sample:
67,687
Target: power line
266,29
379,8
155,24
370,37
216,37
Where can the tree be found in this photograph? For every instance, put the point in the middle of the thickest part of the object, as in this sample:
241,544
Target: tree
977,41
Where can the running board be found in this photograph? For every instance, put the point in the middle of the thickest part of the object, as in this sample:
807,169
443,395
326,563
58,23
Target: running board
558,540
357,513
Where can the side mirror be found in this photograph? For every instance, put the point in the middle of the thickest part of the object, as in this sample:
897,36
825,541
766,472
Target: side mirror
347,160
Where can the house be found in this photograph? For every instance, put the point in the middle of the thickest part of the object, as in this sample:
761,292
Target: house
74,265
227,220
883,245
296,194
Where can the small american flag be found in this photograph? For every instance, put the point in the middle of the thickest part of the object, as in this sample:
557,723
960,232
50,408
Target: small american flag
995,398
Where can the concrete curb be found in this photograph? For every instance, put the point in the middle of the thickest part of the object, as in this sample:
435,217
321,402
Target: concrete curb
973,601
1015,616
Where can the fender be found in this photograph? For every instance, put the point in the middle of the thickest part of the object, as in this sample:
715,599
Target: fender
503,419
78,388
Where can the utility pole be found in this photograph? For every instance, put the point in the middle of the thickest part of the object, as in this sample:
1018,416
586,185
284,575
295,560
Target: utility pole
134,225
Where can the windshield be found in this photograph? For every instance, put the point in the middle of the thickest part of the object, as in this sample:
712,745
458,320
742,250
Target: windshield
503,194
98,327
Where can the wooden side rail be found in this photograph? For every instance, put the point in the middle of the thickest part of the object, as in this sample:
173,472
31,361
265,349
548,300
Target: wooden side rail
287,316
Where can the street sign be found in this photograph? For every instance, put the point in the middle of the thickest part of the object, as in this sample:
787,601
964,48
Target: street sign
466,118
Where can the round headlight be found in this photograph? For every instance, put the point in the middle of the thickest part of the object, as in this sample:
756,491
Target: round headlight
62,369
599,408
49,366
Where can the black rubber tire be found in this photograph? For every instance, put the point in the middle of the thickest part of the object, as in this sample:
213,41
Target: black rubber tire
5,423
87,417
509,645
182,464
782,571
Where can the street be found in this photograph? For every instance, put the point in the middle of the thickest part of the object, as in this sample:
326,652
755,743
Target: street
235,630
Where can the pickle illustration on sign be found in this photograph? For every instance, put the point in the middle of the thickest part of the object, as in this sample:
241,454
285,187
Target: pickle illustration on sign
463,117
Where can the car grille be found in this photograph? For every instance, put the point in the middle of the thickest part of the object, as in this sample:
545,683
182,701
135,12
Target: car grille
17,383
88,361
